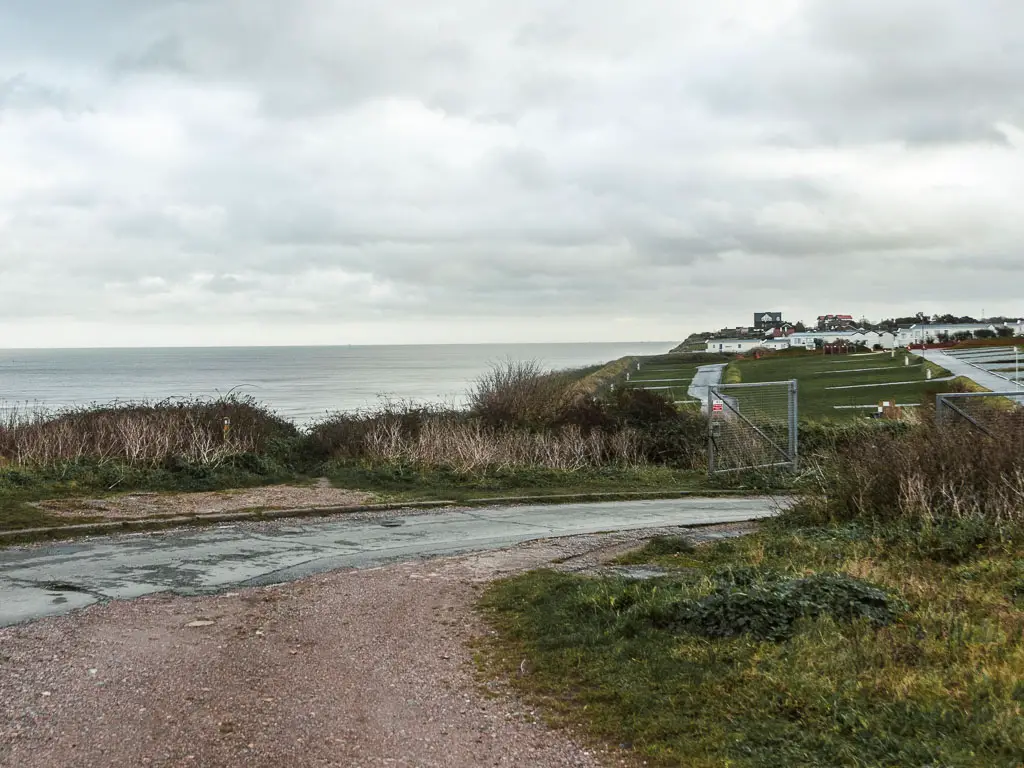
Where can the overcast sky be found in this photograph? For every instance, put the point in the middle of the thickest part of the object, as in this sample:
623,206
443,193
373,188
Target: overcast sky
343,171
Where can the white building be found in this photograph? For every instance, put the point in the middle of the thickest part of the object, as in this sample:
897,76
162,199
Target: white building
1017,326
883,339
734,346
739,346
871,339
922,333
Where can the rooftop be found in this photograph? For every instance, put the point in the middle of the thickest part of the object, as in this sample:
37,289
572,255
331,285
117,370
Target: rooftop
961,326
817,334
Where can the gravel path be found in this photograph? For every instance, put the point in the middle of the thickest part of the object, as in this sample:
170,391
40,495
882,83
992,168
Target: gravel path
353,668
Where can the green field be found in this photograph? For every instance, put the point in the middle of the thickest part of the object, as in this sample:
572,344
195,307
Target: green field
818,376
671,374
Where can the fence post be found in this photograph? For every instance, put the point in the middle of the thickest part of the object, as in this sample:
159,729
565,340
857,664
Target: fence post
794,424
711,432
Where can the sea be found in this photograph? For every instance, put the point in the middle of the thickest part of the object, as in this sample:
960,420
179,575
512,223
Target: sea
299,383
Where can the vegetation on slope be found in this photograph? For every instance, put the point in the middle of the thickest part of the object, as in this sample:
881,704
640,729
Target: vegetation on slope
878,623
845,646
524,428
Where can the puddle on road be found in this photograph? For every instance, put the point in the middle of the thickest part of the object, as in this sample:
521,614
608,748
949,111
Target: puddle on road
63,586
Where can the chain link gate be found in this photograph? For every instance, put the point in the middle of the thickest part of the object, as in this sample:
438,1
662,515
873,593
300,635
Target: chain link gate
752,426
986,412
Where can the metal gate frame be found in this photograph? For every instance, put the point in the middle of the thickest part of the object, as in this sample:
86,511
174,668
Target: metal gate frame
790,453
945,406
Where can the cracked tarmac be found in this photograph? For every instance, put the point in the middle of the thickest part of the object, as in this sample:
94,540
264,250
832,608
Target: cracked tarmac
54,579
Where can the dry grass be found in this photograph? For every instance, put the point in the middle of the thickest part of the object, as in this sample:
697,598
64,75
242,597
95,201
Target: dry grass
519,416
139,435
601,380
469,446
929,472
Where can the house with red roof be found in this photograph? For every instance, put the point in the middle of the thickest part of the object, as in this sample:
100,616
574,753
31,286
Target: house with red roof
835,323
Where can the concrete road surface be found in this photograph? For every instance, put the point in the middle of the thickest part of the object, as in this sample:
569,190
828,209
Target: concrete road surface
707,376
986,379
58,578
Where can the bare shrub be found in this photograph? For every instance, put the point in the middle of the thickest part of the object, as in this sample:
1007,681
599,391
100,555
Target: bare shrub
519,416
521,394
516,407
472,446
352,435
140,434
928,472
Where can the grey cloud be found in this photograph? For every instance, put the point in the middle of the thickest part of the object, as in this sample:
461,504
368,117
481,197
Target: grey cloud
249,160
8,86
227,284
920,72
526,166
165,54
20,92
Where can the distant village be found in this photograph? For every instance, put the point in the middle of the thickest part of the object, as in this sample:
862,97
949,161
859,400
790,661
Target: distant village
771,331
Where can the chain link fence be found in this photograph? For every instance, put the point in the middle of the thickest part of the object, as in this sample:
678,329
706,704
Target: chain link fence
989,413
752,426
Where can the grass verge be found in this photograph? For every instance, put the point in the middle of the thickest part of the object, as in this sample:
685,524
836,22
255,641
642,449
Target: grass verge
834,646
399,482
87,479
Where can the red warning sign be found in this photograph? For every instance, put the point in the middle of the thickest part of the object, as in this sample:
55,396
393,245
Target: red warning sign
717,405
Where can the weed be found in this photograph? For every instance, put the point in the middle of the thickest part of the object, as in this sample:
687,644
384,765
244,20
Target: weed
668,545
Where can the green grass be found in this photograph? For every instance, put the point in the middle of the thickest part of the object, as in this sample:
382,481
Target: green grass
675,371
16,513
407,483
749,653
817,374
677,378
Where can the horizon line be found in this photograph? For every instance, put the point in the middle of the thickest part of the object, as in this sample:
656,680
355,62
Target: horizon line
335,346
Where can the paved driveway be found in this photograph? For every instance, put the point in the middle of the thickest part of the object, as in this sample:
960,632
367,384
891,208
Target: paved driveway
57,578
706,377
979,376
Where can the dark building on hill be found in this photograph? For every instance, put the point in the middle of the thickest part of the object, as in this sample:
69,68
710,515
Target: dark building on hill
764,320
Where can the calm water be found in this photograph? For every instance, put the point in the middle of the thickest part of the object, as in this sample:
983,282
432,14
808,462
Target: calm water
298,382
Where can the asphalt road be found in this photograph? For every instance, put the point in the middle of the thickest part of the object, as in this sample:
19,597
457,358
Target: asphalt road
980,376
707,376
53,579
